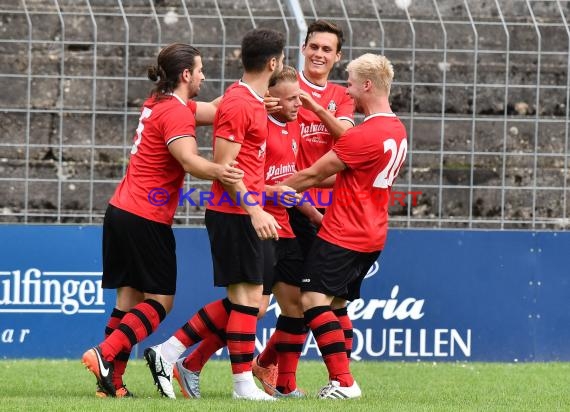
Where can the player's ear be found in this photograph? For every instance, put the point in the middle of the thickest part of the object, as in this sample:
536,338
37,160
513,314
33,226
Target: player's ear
273,63
185,75
338,56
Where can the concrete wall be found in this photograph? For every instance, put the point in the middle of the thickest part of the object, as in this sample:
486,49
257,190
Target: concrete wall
73,119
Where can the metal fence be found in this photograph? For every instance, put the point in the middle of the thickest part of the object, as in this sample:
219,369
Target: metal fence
482,87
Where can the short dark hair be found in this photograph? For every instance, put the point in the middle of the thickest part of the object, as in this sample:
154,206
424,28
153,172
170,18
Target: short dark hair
170,64
325,26
258,46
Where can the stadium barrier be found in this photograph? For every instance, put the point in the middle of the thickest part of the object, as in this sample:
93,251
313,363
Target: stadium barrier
433,295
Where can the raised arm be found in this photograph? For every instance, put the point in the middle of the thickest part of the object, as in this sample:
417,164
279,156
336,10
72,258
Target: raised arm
206,111
335,126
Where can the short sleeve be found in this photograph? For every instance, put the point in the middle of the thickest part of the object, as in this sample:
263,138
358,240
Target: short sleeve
233,120
193,106
179,121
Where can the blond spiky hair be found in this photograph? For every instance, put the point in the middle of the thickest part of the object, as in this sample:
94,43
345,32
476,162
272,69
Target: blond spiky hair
373,67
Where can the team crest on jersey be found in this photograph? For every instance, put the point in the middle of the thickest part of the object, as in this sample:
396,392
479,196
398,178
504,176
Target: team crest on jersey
332,106
261,152
294,146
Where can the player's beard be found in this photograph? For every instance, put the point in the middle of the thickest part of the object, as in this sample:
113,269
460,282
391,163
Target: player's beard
193,90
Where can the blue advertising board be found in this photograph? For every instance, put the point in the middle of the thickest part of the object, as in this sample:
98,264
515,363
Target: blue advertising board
432,295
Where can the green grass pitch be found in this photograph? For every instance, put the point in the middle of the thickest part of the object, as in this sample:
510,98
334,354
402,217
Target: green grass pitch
64,385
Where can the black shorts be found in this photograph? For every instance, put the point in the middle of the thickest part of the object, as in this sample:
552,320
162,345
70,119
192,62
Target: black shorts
138,252
304,230
282,262
336,271
237,251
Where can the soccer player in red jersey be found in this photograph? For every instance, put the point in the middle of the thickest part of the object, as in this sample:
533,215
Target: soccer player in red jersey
283,259
328,111
366,160
236,223
138,243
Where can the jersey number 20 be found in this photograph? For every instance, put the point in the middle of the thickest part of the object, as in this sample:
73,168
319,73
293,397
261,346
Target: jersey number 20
397,156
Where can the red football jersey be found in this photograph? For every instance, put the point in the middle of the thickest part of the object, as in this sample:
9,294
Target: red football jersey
282,147
150,188
241,118
373,153
315,138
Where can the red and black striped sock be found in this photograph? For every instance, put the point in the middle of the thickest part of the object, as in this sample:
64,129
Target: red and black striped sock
135,326
196,360
330,339
114,321
120,361
240,335
290,335
209,320
268,356
346,325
